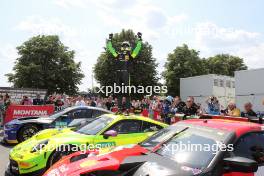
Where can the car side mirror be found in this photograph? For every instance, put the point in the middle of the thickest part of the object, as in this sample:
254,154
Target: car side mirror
109,133
240,164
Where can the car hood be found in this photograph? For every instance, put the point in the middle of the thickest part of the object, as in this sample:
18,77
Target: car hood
71,137
156,165
107,159
51,132
55,139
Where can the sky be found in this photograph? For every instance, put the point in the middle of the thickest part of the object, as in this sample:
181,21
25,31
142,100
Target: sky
211,27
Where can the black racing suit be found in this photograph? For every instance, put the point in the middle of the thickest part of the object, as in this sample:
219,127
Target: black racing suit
122,80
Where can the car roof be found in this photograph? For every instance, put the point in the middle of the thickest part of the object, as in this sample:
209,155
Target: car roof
132,116
238,127
90,107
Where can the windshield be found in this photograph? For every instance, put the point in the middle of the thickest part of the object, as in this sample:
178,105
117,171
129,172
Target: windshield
191,148
95,126
161,136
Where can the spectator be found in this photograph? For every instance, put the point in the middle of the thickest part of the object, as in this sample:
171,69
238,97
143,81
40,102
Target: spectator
109,104
58,103
2,109
124,104
157,108
99,103
166,109
178,105
93,102
152,105
87,101
50,101
137,107
80,101
145,107
151,109
144,104
67,101
194,104
200,110
26,101
248,112
232,110
213,106
190,108
38,100
7,103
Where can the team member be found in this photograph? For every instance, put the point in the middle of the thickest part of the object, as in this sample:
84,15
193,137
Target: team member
248,112
178,105
190,108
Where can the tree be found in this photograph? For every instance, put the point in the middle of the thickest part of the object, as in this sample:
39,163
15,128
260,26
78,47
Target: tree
182,62
185,62
143,67
225,64
45,63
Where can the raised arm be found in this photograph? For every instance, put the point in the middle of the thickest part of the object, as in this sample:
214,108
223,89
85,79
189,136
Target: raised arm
110,47
138,47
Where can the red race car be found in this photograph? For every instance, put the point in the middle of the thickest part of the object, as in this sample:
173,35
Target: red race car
212,147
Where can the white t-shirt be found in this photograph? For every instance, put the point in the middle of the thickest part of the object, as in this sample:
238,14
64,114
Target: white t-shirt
80,103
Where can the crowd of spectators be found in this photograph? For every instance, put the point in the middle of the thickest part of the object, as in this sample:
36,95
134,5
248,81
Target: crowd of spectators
5,101
155,107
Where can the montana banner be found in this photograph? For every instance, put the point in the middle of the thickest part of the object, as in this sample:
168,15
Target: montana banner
18,111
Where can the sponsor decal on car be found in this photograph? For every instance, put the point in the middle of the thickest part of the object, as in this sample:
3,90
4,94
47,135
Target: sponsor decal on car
106,144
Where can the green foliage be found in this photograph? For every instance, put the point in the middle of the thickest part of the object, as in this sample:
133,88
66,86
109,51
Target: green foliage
46,63
225,64
143,67
184,62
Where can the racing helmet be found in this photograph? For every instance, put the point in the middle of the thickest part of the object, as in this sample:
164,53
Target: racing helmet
125,46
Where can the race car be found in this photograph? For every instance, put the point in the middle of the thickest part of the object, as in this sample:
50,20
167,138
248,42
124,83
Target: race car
35,155
18,130
76,163
213,147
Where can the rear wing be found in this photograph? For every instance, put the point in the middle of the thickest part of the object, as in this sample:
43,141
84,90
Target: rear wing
258,120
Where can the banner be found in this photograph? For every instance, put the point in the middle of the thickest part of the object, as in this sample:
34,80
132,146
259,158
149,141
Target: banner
18,111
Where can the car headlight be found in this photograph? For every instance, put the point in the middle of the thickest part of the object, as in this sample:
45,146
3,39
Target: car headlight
23,164
40,146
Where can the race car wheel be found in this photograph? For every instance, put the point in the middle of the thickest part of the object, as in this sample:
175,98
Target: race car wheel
57,155
26,132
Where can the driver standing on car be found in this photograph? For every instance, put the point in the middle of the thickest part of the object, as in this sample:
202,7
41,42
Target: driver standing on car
122,58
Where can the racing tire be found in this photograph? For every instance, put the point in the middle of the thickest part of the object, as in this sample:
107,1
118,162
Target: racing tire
26,132
56,156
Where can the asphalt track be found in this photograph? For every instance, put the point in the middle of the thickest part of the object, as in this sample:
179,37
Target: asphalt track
4,153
